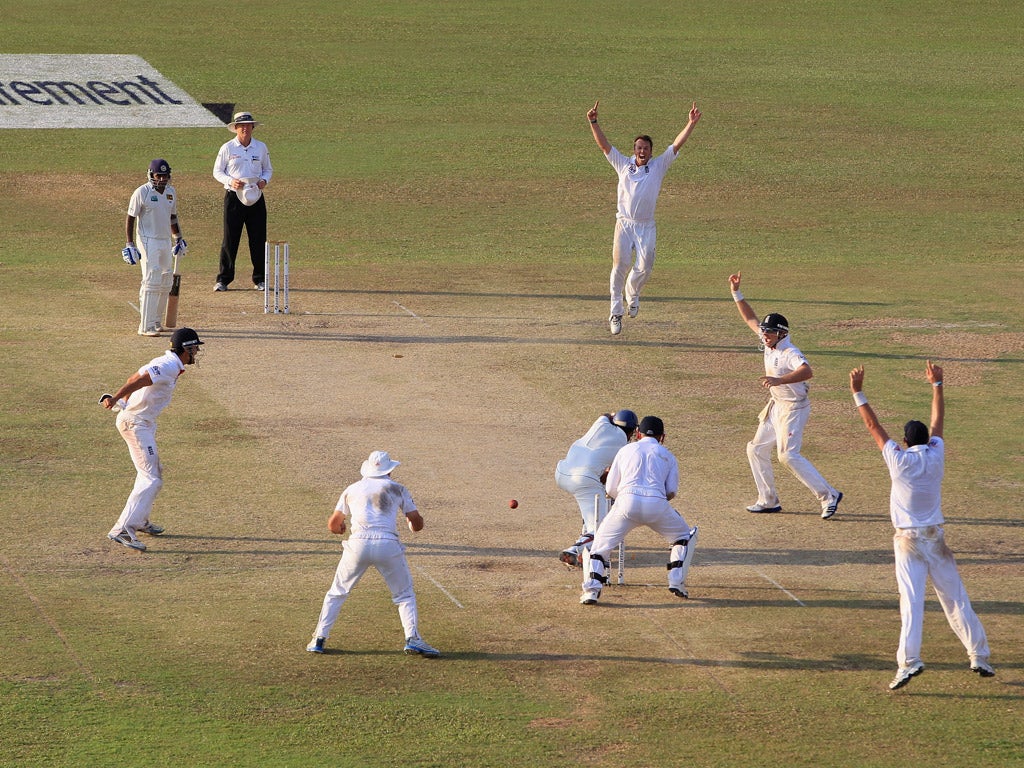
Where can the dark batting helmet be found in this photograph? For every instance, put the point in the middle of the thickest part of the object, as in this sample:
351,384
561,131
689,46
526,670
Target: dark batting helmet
625,420
184,338
775,322
162,167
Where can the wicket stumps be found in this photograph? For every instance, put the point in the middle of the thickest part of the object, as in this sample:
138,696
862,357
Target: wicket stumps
280,276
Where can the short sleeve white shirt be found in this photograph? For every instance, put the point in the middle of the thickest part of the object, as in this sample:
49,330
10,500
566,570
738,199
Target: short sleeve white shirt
592,454
785,358
235,161
145,404
372,505
639,185
916,497
152,211
643,468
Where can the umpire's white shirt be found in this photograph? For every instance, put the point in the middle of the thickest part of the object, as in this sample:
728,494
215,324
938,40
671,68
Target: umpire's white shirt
146,404
643,468
915,500
235,161
639,185
152,211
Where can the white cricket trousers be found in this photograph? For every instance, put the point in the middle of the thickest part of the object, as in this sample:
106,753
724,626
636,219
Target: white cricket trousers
157,278
628,512
781,424
920,553
632,254
387,555
140,437
585,489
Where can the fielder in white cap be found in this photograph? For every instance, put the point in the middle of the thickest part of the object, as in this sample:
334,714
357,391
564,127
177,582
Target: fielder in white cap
372,506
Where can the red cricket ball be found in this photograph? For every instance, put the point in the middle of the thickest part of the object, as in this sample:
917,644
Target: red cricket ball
512,503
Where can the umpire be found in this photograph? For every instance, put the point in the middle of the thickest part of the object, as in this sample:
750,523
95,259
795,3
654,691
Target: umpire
243,167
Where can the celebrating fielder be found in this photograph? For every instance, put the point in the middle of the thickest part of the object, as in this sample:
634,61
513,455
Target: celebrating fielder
151,223
781,423
643,479
640,180
915,506
141,399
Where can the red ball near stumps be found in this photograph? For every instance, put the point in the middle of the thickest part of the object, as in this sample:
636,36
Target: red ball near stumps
512,503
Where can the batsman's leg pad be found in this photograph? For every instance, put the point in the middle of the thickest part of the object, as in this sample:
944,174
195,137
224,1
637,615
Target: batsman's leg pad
595,569
149,310
681,557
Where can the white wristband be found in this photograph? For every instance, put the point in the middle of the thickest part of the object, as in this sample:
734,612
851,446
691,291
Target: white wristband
859,399
737,296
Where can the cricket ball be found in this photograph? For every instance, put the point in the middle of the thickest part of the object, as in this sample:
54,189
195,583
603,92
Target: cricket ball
512,503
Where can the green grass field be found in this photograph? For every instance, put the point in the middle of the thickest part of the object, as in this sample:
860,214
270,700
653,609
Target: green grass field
450,220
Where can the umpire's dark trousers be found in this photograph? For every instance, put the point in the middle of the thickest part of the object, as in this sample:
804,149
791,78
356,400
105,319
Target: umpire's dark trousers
254,219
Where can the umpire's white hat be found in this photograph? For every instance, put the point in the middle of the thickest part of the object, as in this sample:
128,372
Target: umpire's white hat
243,118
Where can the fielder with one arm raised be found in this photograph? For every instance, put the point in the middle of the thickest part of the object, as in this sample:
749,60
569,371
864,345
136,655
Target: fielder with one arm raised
140,400
915,506
781,422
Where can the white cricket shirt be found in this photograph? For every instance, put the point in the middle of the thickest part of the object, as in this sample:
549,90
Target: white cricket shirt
643,468
371,507
237,162
592,454
152,211
785,358
639,185
916,497
146,404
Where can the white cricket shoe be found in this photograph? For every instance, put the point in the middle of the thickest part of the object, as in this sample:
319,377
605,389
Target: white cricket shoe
590,596
126,539
634,307
903,675
615,324
416,645
982,668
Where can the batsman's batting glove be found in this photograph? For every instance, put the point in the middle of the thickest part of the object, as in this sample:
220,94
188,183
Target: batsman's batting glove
131,254
179,247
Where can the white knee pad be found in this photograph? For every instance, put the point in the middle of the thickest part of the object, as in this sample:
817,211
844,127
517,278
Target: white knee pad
681,557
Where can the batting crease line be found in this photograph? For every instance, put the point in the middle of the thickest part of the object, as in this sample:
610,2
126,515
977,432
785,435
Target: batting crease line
687,652
773,581
53,625
406,309
134,307
436,584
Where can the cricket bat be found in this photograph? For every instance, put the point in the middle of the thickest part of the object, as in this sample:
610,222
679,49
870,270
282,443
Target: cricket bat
171,315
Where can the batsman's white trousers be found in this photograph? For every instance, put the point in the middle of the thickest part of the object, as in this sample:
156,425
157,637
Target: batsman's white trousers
632,253
140,437
781,424
920,553
585,489
157,277
631,511
387,555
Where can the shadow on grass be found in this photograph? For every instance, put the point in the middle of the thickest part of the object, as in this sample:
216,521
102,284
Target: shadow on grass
327,335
